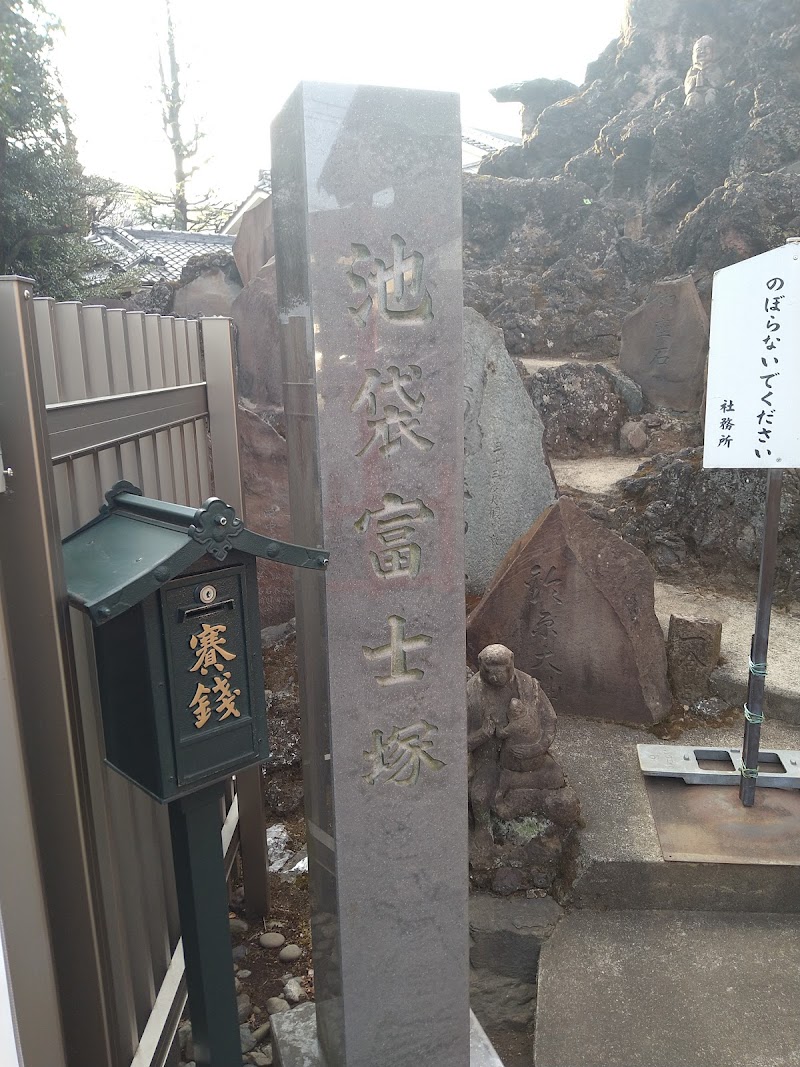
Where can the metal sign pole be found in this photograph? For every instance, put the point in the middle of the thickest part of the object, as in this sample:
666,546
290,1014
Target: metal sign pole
754,708
751,396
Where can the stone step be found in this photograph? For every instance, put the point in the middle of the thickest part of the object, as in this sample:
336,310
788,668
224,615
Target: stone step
621,865
669,989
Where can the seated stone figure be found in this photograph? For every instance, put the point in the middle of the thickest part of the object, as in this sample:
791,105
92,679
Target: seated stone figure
704,76
511,726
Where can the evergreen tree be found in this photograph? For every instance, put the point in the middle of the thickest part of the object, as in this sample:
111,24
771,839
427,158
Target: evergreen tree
47,203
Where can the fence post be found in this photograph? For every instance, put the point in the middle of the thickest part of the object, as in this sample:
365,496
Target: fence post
22,904
219,352
42,660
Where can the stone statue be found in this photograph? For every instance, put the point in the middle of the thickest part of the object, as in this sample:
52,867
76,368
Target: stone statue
704,76
511,726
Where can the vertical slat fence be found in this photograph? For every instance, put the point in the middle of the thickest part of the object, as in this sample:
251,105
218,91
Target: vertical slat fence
131,396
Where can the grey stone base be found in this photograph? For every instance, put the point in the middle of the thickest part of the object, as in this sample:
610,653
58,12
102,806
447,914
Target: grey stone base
294,1041
621,865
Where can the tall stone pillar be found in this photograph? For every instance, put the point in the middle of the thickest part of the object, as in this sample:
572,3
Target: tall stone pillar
367,193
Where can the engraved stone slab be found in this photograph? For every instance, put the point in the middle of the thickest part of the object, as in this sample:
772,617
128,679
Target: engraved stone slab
575,604
366,187
693,648
664,346
507,479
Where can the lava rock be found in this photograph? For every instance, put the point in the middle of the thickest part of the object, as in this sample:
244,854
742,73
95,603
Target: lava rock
714,517
582,412
633,437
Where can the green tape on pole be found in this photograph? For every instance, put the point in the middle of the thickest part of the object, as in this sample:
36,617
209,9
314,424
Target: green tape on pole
752,717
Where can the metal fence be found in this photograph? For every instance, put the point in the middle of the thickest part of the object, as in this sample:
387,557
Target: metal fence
89,396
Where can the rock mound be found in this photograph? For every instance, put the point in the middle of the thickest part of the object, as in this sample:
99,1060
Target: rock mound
643,187
677,511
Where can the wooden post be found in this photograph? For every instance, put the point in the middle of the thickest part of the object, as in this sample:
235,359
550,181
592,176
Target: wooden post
42,658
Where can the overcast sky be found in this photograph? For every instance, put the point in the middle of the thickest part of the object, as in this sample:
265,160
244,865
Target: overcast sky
242,58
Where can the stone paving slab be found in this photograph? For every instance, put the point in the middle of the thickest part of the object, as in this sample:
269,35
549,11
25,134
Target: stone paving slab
737,615
294,1038
620,863
670,989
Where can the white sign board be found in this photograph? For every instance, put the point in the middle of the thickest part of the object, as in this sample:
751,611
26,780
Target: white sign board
753,392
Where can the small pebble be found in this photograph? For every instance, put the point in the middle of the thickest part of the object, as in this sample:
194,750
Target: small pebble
237,985
271,940
239,952
294,992
245,974
262,1031
290,953
262,1059
244,1007
238,926
275,1005
246,1039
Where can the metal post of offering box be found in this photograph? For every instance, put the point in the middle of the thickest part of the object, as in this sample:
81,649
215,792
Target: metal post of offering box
173,597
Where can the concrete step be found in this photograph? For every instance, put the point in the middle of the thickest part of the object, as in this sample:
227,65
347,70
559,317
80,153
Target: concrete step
621,865
670,989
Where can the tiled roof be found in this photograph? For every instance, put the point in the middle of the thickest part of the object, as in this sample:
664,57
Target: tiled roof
261,191
156,255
